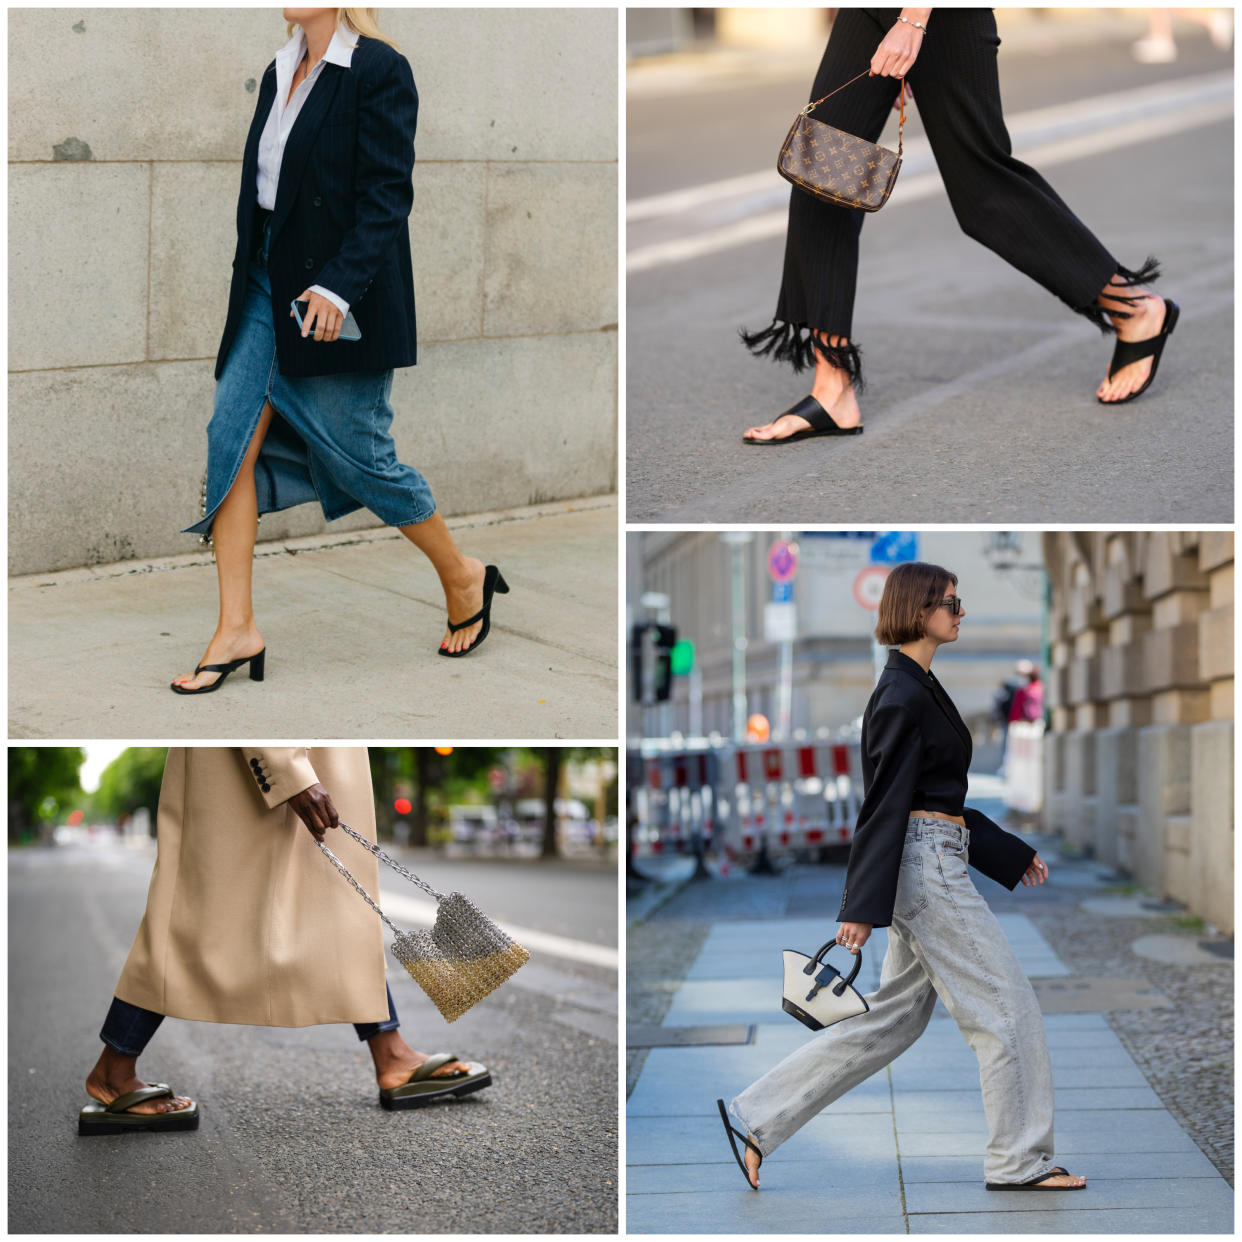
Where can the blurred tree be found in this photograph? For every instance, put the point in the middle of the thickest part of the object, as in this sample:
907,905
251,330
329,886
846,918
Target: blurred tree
39,774
131,780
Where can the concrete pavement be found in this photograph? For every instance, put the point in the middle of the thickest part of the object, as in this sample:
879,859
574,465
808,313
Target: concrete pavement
903,1152
980,403
292,1139
352,625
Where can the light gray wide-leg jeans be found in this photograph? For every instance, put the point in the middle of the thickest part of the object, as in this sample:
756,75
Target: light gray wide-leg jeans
943,941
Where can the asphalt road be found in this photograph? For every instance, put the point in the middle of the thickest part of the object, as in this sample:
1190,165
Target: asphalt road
292,1138
980,403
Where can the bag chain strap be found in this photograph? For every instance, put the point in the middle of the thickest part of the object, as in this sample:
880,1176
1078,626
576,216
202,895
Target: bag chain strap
867,73
379,853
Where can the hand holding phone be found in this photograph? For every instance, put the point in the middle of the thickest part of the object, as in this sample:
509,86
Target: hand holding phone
349,325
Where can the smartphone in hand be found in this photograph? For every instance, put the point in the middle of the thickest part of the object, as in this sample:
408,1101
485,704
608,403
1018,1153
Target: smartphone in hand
349,327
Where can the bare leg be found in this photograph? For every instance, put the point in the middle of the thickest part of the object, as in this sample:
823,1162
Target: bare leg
460,576
116,1075
395,1060
1146,319
233,533
832,389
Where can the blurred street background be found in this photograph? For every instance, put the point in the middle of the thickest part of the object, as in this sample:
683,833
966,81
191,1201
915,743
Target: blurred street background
1095,671
292,1139
980,403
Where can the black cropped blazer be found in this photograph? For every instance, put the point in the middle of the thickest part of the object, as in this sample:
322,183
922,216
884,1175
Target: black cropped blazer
915,756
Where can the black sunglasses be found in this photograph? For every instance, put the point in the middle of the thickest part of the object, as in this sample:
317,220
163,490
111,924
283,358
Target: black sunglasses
952,602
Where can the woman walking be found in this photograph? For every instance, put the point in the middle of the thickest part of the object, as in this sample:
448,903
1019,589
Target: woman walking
248,923
301,406
949,61
908,872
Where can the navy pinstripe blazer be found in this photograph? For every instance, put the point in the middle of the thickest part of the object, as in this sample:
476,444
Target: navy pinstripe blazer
341,218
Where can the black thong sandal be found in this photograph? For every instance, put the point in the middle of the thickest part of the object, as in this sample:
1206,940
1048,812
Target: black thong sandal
255,661
1035,1185
730,1132
425,1086
493,584
822,424
1126,352
99,1118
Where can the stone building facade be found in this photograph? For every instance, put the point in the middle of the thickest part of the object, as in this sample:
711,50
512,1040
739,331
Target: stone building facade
1139,759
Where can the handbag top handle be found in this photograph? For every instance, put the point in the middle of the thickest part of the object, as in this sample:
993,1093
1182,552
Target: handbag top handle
901,125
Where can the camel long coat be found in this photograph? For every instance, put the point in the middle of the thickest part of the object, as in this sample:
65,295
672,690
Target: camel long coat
246,920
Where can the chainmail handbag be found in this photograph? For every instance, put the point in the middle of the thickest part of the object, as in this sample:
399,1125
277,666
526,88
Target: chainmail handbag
838,167
461,959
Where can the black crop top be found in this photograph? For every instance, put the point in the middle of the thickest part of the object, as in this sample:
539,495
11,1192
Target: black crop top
916,752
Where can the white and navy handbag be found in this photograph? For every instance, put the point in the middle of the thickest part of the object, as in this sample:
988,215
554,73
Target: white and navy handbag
818,994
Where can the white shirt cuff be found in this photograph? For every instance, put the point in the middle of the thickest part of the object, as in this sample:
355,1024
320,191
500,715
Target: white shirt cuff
339,303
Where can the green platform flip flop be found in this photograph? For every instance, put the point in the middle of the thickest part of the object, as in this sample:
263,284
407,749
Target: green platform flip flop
98,1118
424,1088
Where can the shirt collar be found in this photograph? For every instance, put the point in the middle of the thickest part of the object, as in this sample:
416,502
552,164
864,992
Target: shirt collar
340,49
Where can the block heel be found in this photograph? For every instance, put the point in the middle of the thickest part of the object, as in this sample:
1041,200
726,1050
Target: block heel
493,584
255,661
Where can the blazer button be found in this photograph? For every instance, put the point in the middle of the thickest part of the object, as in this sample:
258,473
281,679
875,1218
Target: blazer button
266,787
254,763
309,264
317,201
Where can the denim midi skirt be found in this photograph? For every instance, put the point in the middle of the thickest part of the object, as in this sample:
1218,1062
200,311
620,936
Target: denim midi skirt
328,440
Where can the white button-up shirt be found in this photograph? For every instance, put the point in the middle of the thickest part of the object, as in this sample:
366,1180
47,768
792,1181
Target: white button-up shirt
285,111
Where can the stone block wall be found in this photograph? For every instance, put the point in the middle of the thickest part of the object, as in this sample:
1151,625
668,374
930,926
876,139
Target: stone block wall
122,199
1139,758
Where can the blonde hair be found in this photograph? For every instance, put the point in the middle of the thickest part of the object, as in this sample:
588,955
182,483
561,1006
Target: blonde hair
360,21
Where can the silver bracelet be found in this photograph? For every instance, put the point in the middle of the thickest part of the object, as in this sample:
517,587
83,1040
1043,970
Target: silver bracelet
916,25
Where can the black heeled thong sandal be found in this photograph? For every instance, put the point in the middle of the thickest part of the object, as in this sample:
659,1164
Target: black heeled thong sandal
1126,352
822,424
1035,1184
256,673
493,584
730,1132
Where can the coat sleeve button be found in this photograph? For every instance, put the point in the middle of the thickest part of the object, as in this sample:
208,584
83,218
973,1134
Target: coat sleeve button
317,201
309,264
266,787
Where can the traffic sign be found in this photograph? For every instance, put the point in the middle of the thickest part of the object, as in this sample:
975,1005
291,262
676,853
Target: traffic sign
869,586
894,547
783,561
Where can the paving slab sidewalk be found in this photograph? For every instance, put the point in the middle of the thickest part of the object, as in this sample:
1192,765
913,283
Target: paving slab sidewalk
902,1153
352,624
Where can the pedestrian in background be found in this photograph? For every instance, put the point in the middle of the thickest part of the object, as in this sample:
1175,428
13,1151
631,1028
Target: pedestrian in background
908,872
949,61
301,411
247,923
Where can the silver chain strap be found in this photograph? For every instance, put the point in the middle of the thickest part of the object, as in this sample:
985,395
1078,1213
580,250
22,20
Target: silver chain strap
379,853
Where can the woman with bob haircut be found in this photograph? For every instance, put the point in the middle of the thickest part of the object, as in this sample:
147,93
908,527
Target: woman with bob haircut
908,872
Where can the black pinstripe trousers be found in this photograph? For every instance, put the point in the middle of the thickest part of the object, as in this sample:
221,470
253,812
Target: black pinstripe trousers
998,200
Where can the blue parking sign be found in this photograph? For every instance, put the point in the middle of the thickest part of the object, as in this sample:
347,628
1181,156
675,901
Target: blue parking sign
895,546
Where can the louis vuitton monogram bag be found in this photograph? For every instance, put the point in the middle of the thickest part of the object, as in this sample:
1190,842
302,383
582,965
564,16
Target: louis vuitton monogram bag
838,167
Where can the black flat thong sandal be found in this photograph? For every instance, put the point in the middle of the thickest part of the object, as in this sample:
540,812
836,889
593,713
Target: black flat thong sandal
730,1132
1126,352
1035,1185
99,1118
822,424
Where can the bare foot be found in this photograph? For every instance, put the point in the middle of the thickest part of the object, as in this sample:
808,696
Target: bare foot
464,598
395,1061
1144,323
838,400
100,1086
1061,1179
225,646
752,1159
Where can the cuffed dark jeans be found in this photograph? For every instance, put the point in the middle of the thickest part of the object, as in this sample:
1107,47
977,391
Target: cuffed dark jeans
127,1029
